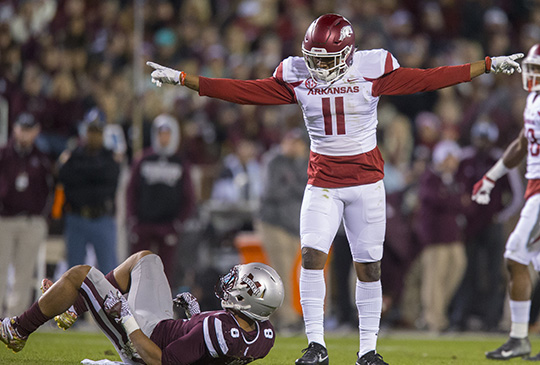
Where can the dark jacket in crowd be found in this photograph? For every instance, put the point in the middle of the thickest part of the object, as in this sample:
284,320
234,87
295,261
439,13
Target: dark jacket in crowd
160,189
25,181
441,208
90,181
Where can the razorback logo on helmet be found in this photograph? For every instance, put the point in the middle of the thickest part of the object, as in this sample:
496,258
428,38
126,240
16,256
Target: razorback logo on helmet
253,285
346,31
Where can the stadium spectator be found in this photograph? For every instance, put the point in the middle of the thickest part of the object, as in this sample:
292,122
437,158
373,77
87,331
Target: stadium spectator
443,201
481,293
141,327
240,178
25,191
345,169
284,180
89,175
522,245
160,195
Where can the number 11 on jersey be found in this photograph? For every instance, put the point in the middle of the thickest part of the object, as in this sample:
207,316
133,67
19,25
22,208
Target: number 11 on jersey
328,115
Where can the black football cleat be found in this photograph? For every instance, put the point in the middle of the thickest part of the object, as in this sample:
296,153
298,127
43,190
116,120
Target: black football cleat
514,347
314,354
371,358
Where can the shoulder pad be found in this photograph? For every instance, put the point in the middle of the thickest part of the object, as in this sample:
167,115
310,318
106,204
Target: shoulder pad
292,69
374,63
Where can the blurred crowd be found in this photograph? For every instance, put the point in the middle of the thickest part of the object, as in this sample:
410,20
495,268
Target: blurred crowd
61,59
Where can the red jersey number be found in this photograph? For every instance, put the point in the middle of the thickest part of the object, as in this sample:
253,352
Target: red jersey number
534,145
328,116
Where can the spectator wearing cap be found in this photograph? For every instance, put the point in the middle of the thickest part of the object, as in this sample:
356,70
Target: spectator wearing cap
442,201
25,192
89,175
160,195
481,294
284,179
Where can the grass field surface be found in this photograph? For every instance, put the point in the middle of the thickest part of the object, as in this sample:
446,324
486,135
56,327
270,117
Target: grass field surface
400,348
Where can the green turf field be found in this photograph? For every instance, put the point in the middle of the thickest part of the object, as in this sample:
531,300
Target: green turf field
57,347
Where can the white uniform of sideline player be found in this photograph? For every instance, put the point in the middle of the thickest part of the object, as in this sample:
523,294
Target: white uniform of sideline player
523,245
338,89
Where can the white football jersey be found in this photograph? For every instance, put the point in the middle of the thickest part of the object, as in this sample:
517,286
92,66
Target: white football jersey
531,117
341,118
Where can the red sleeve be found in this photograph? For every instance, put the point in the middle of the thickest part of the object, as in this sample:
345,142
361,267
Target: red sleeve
404,81
268,91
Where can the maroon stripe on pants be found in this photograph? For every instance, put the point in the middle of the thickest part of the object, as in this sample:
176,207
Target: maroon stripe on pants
327,116
105,326
340,115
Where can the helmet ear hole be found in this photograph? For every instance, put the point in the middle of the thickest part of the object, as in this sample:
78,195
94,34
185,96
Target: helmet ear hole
239,298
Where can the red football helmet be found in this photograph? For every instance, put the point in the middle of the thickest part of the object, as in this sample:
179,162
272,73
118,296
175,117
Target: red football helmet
328,47
531,69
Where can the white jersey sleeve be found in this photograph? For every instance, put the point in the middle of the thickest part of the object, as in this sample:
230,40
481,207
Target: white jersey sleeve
532,133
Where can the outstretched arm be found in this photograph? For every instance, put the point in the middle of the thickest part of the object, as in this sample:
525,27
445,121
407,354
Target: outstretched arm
404,80
269,91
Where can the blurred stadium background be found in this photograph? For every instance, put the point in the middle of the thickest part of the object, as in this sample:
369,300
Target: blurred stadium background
60,58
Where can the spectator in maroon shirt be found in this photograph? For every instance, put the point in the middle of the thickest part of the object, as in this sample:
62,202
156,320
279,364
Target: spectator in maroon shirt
25,189
142,328
442,202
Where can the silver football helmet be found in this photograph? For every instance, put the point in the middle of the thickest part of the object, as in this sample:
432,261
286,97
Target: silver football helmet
254,289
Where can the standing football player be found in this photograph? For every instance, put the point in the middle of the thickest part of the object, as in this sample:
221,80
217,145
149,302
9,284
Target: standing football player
338,89
133,306
523,244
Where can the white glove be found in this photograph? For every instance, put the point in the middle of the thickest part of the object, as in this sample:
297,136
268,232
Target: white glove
481,191
188,302
164,75
506,64
117,307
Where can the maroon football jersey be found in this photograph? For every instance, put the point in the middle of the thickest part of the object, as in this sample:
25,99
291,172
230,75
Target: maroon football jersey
212,338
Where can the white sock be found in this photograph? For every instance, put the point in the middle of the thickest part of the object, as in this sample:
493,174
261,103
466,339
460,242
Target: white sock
369,305
312,293
519,312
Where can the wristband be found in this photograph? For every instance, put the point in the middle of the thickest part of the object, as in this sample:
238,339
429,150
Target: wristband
497,171
130,325
487,60
182,78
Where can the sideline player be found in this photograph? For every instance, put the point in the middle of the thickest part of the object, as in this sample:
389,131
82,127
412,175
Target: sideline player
523,244
338,89
142,327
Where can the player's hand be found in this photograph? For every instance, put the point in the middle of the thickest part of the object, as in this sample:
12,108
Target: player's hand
188,302
116,306
164,75
481,191
506,64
